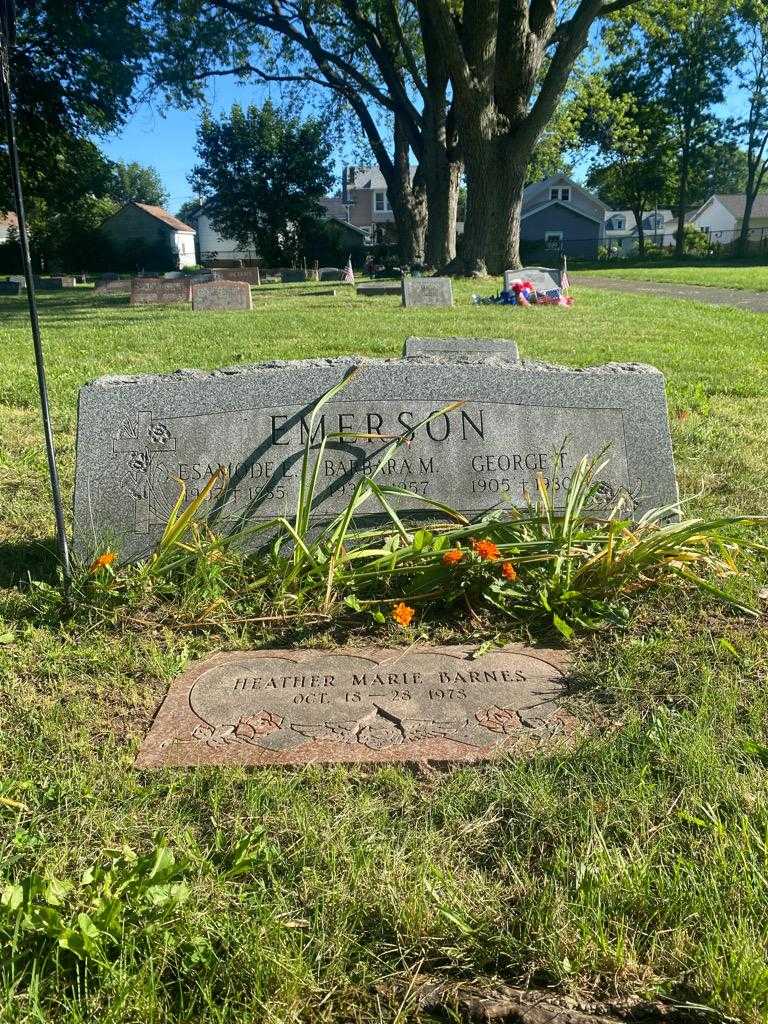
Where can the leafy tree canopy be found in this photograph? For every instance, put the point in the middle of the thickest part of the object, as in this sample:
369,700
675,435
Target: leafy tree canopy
262,173
133,182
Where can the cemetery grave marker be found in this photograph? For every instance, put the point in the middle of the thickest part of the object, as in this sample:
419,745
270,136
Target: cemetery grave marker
52,284
279,707
160,291
372,290
427,291
113,285
9,288
137,436
331,274
543,279
461,347
292,276
221,295
18,279
250,274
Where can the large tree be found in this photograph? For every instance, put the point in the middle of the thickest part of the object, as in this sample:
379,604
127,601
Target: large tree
510,62
262,173
633,168
134,182
376,58
753,128
686,50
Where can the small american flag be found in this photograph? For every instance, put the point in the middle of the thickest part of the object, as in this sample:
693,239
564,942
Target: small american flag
349,274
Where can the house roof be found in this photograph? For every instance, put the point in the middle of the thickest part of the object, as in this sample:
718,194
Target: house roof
162,215
367,177
9,220
735,203
556,180
566,206
630,224
350,227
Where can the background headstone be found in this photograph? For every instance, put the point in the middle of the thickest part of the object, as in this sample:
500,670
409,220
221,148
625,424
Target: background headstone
249,274
373,290
113,285
159,291
292,276
19,279
137,436
543,279
362,705
9,288
331,274
222,295
51,284
172,275
427,291
461,347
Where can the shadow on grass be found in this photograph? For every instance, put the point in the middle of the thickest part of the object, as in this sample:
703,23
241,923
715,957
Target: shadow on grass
36,560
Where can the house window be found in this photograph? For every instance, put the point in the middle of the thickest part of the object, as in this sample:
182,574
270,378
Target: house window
617,224
554,193
381,202
563,194
553,240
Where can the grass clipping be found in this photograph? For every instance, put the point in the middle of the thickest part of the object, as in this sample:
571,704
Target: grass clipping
572,568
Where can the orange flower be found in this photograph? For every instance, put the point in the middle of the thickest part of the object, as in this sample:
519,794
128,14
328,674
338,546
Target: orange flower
103,561
485,548
402,614
509,572
453,556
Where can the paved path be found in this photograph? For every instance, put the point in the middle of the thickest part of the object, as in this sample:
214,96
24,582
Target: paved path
757,302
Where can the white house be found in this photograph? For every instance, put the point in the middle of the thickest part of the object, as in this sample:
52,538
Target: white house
137,224
621,234
722,214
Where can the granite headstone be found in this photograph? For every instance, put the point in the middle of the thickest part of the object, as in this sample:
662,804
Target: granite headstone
331,274
221,295
160,291
138,436
374,290
9,288
543,279
427,291
448,347
277,707
294,276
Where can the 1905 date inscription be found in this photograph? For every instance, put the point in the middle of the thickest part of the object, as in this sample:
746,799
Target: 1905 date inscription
293,707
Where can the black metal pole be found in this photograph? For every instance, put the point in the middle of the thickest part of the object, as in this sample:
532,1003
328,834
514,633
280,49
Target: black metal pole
6,36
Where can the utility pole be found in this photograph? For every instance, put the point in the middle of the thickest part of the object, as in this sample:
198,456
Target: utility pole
7,35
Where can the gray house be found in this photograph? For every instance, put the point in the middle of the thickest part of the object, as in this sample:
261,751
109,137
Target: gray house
559,216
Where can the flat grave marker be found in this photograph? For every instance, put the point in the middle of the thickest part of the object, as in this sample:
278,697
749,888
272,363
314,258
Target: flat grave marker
283,707
427,291
461,347
221,295
160,291
138,436
374,290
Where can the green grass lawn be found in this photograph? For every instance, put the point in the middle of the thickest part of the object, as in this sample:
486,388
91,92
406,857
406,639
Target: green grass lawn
633,862
746,276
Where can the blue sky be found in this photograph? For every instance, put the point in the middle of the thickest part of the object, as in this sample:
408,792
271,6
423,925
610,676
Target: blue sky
167,140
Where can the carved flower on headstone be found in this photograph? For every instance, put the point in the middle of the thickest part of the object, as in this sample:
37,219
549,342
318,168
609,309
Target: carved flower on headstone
504,720
139,461
159,434
260,724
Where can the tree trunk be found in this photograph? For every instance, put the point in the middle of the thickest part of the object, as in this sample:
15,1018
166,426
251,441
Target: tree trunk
408,202
682,198
442,189
638,214
478,149
750,194
510,169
